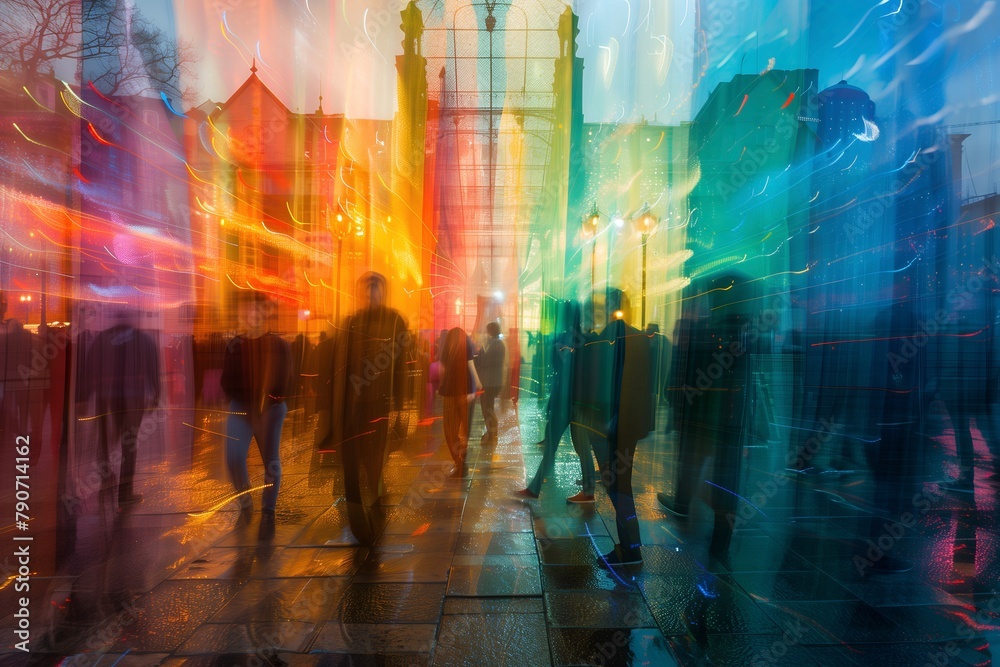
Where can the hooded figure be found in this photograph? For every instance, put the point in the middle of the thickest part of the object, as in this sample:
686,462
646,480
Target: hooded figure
368,382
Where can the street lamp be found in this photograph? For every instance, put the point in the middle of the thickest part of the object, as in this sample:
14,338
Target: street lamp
646,223
340,226
590,224
26,300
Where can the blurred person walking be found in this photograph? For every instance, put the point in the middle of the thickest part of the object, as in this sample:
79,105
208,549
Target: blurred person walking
490,369
459,385
710,397
123,372
255,376
622,418
567,404
368,386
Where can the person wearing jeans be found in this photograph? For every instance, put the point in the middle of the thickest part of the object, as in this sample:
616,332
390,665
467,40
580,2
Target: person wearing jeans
255,376
459,384
623,417
265,428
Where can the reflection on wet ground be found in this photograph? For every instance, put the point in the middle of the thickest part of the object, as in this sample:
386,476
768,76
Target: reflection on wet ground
463,573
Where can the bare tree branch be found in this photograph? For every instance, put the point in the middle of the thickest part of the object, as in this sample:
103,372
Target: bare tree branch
114,45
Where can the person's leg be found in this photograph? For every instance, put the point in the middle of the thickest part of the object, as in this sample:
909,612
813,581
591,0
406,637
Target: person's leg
131,424
581,443
489,411
238,434
350,458
268,436
599,445
455,422
620,492
726,478
448,425
548,462
106,433
466,410
558,419
470,415
690,459
374,455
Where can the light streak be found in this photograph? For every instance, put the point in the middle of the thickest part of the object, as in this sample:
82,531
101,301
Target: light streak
99,138
733,493
225,501
364,24
859,24
32,97
732,53
170,107
742,104
871,133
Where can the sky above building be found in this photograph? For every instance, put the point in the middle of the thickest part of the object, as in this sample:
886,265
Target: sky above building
644,59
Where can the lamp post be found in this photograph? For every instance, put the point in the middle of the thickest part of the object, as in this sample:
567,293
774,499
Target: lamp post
337,225
26,301
646,223
590,224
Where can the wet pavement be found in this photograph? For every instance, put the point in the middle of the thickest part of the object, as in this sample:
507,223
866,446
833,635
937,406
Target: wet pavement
465,574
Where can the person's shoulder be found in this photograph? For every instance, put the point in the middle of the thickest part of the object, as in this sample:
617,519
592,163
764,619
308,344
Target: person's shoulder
399,322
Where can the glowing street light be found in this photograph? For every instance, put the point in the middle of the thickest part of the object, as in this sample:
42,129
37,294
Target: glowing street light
590,224
340,226
645,223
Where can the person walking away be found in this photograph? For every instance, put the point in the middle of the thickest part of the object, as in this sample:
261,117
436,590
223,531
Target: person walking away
459,385
630,420
491,374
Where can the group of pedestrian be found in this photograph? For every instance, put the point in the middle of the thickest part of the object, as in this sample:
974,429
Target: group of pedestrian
361,381
602,391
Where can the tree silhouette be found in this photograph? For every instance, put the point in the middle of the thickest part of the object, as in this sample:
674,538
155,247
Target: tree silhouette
112,43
